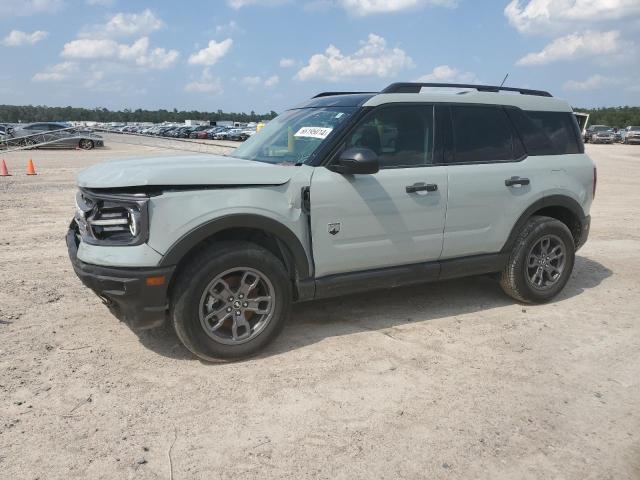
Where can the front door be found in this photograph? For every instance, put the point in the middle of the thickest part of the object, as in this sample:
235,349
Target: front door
393,217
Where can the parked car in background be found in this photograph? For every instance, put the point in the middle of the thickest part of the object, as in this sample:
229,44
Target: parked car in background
55,135
593,129
603,136
222,134
196,130
238,135
631,135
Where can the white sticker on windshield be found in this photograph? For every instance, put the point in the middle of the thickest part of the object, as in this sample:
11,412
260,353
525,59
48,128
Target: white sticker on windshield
313,132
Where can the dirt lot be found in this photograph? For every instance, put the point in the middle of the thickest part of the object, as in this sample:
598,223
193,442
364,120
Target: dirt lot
450,380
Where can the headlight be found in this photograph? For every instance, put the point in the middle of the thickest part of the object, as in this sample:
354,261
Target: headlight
112,219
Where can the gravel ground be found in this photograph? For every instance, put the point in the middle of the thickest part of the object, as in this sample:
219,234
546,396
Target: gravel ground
450,380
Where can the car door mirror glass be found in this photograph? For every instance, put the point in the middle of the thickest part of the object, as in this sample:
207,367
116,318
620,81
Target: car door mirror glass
356,161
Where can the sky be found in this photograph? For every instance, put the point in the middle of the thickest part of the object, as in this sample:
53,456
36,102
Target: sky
262,55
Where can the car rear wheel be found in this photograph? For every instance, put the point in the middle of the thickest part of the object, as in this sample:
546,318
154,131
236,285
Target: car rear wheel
541,261
86,144
230,301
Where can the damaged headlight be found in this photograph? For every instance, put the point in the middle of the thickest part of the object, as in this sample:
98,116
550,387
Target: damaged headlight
112,219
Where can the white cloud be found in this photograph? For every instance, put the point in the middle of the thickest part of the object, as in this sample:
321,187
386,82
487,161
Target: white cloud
16,38
575,46
212,53
372,58
265,3
88,48
541,16
592,83
272,81
56,73
138,52
447,74
229,28
287,62
125,25
23,8
206,84
251,82
354,7
369,7
158,58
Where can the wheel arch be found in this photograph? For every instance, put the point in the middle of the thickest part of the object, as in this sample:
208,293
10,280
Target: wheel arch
266,232
561,207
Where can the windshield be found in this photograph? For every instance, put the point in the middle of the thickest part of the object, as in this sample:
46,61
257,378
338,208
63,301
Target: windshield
634,129
294,136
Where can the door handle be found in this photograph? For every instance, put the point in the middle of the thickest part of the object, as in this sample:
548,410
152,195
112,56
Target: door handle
422,187
510,182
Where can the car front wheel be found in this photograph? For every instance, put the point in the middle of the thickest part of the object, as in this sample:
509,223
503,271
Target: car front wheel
230,301
541,261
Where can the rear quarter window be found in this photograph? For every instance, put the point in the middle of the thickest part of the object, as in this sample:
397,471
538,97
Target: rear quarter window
547,133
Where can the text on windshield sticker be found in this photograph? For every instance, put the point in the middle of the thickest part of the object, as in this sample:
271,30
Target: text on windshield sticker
313,132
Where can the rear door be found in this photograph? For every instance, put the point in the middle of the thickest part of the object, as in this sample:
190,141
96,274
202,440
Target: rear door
491,180
394,217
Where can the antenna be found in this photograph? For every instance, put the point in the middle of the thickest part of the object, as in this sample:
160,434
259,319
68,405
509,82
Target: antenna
505,79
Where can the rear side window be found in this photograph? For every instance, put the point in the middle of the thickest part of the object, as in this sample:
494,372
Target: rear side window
548,133
483,134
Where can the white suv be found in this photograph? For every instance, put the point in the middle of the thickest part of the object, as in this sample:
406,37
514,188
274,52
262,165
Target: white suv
344,193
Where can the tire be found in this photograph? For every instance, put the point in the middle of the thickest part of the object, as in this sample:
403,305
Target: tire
527,259
192,301
86,144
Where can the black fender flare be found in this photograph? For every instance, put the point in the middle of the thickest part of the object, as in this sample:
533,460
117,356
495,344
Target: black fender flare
284,234
550,201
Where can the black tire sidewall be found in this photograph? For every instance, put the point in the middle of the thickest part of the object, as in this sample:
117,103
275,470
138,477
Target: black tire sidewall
550,227
185,315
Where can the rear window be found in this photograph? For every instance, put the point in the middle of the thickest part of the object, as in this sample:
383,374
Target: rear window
547,133
483,134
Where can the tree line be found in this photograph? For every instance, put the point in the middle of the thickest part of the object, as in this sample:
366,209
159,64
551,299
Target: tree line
42,113
613,116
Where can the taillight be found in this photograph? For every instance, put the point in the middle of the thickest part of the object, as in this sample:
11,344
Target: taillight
595,180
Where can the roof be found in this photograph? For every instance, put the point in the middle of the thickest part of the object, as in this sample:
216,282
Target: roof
340,100
525,99
525,102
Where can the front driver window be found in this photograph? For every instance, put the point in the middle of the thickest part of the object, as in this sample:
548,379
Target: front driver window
401,136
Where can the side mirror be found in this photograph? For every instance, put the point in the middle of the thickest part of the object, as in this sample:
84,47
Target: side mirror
356,160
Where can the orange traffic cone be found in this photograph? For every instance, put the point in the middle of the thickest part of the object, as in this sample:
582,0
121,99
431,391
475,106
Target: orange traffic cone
3,170
31,170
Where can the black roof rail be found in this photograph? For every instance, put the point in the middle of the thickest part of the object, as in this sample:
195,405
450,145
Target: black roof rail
331,94
406,87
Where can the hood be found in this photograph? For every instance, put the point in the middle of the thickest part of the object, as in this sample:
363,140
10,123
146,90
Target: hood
183,170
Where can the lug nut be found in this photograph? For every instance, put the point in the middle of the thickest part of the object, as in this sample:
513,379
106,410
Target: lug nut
241,296
229,309
245,304
238,312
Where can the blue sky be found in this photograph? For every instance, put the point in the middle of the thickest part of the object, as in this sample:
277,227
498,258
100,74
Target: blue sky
241,55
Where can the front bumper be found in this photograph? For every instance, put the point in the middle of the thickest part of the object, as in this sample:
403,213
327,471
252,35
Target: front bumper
124,290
